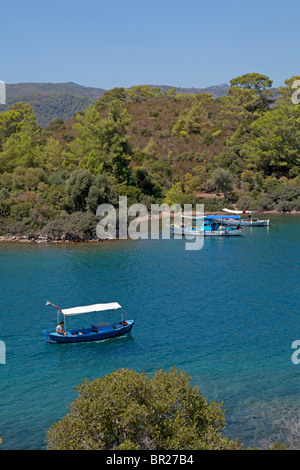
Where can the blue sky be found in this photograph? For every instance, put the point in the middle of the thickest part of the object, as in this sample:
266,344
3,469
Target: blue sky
190,43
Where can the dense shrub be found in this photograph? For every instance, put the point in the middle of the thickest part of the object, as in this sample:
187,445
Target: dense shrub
74,227
162,412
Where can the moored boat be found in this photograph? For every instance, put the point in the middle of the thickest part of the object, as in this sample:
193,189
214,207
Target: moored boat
97,331
209,225
245,222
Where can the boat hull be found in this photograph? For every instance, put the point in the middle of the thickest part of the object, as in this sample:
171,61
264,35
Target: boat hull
247,223
206,233
88,334
255,223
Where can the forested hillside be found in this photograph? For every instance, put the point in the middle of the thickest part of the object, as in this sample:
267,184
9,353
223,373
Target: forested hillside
239,149
51,100
63,100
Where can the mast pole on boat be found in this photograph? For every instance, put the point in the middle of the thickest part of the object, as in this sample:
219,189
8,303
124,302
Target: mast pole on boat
58,310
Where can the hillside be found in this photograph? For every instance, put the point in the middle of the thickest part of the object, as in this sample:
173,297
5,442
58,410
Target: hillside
70,88
50,101
153,146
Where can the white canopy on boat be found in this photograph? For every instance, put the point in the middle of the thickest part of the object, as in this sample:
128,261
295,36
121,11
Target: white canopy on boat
237,212
91,308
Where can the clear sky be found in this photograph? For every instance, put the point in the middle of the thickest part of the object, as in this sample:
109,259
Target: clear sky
192,43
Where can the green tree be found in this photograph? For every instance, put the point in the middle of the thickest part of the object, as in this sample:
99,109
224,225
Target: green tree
175,195
77,189
103,144
117,93
50,155
197,119
239,108
18,131
20,115
140,93
222,180
274,146
100,192
33,177
261,84
126,410
144,181
286,92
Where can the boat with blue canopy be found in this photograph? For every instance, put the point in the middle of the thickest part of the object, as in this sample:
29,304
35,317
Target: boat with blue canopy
97,331
207,225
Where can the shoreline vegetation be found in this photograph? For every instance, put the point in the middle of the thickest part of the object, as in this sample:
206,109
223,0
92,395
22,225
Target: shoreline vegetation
240,150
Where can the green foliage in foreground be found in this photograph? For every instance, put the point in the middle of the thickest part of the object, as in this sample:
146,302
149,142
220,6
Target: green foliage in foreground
126,410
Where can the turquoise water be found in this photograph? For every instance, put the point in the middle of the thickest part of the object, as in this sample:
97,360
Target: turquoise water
226,314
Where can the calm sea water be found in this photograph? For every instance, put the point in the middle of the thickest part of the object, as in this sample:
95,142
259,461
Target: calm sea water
226,314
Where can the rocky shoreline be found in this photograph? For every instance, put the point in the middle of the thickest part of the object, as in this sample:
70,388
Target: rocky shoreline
44,239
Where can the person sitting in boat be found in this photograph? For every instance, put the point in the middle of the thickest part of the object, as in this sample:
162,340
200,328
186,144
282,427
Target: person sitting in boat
60,329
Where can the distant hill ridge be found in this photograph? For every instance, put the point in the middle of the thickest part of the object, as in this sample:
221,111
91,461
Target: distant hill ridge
29,88
216,90
62,100
71,88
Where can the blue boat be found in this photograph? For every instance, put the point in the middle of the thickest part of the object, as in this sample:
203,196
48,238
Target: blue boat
97,331
208,225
